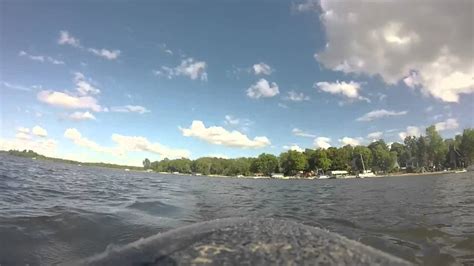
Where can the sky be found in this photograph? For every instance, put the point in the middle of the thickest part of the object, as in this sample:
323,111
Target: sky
120,81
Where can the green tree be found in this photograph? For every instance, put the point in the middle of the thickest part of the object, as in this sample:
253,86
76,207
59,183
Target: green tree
366,154
317,159
436,148
266,164
292,162
467,146
383,159
146,163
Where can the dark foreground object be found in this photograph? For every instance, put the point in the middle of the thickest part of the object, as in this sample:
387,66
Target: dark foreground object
237,241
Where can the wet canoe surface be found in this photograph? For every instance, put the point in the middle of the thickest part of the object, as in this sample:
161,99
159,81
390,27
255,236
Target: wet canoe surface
245,241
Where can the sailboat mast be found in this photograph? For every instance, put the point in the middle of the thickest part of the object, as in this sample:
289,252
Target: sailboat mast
362,159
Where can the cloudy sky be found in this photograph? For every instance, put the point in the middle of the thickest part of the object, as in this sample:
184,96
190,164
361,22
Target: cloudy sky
120,81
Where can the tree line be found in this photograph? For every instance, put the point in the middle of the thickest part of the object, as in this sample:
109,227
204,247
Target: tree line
429,152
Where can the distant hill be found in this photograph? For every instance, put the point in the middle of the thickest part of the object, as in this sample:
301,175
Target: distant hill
33,154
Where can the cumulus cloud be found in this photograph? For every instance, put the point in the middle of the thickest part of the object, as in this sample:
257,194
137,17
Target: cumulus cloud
377,114
41,58
24,130
130,109
293,147
125,144
322,142
64,100
66,39
230,120
348,90
394,39
79,116
221,136
350,141
39,131
75,136
107,54
80,100
410,131
83,86
44,146
375,135
137,143
449,124
262,69
300,133
296,97
30,139
188,68
262,89
22,136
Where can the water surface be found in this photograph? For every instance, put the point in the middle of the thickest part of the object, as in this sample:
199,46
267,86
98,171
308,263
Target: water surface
52,212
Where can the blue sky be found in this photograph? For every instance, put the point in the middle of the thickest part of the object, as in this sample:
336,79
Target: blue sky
121,81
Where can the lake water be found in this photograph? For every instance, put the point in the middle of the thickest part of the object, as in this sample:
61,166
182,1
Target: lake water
52,212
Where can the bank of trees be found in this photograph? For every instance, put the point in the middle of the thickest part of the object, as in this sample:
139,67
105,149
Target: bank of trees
428,152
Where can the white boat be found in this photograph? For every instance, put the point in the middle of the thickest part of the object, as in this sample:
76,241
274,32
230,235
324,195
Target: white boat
324,177
365,173
126,169
460,171
277,175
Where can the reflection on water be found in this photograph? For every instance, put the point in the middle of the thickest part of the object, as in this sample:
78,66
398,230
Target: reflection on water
53,213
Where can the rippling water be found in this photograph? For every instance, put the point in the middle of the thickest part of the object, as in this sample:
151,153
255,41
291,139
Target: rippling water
52,213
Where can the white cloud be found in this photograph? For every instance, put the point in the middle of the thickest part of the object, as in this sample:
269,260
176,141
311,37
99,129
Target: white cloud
296,97
83,86
394,39
137,143
64,100
41,58
39,131
322,142
22,135
282,105
75,136
375,135
410,131
300,133
230,120
26,139
66,38
79,100
78,116
188,67
376,114
449,124
23,130
42,146
240,123
107,54
15,86
126,144
293,147
350,141
130,109
221,136
306,6
262,89
262,69
349,90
